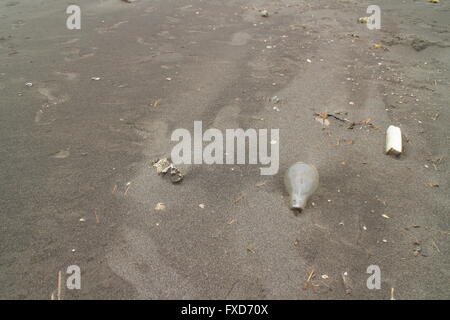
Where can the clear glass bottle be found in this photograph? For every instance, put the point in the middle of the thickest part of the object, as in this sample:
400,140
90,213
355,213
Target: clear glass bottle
301,181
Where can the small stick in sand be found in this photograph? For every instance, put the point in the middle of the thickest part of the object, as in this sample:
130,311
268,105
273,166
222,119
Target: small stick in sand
59,285
128,187
346,281
96,217
435,245
241,196
310,277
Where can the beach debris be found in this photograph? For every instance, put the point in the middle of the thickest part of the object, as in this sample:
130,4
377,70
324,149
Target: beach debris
435,162
311,276
326,115
433,185
385,216
363,20
363,123
82,220
417,249
393,140
435,245
97,219
239,197
301,181
202,205
129,1
95,78
392,294
61,154
346,282
164,166
344,141
433,1
56,294
156,103
29,84
160,206
264,13
127,188
275,99
322,118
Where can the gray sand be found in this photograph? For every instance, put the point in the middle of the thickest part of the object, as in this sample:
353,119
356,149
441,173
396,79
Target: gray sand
70,145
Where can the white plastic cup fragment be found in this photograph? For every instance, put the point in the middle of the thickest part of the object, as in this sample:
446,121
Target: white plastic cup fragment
393,141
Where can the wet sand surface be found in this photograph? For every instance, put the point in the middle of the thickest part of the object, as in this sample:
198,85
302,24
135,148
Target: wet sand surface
76,148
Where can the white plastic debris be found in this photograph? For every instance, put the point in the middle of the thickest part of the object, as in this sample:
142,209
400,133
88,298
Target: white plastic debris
160,206
301,181
393,140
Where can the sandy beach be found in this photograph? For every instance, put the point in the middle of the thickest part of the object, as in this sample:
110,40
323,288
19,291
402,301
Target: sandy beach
85,112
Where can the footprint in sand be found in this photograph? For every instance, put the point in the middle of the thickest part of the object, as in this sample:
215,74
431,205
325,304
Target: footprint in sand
76,54
240,39
70,76
71,41
141,41
46,92
38,116
102,30
227,117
